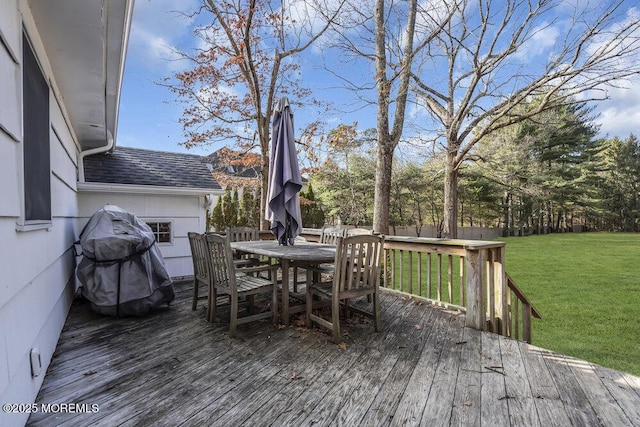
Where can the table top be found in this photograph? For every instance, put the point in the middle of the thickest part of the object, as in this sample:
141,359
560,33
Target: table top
302,251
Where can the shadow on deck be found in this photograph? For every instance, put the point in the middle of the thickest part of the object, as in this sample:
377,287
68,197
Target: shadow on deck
424,368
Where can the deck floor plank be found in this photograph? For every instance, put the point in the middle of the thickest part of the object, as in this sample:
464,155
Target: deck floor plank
443,386
360,381
605,405
325,379
495,406
388,398
425,368
577,404
624,394
521,403
411,407
547,400
467,399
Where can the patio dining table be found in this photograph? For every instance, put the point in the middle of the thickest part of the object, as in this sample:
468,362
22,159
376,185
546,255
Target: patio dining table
302,253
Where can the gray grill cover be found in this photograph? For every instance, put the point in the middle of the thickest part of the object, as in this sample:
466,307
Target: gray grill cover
122,270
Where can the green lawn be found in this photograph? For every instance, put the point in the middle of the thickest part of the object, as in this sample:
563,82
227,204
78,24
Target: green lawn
587,288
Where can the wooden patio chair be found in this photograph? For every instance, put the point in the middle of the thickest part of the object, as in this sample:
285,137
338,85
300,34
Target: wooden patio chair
357,274
237,283
358,231
331,235
243,234
200,267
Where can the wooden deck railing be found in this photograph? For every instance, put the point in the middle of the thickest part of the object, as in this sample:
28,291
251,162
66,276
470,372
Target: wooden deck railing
465,275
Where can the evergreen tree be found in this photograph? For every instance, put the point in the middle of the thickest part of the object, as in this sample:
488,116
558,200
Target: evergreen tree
235,204
229,214
621,187
246,216
216,220
310,210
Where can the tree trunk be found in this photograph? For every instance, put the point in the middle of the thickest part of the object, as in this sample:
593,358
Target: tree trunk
264,154
383,189
505,214
450,226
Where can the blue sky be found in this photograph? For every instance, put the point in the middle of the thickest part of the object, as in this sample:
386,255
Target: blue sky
149,114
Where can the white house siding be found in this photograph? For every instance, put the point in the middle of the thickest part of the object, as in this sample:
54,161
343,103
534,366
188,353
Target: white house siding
36,287
186,213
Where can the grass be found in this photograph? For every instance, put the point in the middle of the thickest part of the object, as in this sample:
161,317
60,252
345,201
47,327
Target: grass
587,288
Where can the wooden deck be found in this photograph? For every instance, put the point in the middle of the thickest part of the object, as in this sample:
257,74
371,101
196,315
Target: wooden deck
173,368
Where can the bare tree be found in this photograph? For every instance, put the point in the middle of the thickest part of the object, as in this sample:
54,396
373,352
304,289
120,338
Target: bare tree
245,63
498,54
383,36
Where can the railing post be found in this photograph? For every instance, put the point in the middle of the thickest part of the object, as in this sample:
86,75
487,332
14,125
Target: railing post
475,299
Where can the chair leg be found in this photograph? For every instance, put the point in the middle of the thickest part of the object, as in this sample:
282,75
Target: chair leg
252,304
309,300
295,279
377,321
335,319
213,302
233,321
274,304
194,304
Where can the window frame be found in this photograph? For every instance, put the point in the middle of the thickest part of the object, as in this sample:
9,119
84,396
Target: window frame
157,232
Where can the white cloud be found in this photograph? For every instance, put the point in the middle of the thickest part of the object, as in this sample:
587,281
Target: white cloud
542,41
620,114
157,30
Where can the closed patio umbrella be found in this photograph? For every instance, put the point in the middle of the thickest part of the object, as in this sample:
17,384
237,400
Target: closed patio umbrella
285,181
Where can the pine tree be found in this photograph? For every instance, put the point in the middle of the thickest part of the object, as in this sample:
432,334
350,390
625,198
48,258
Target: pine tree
229,214
310,210
216,219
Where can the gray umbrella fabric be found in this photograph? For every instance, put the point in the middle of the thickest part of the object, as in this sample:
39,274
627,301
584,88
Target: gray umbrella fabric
285,181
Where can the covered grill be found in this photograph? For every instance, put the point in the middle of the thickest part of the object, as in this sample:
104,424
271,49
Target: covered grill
122,271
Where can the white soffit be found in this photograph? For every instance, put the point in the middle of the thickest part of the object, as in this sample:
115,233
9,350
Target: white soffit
86,42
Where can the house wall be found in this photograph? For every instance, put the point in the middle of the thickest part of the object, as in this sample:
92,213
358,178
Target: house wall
36,287
186,213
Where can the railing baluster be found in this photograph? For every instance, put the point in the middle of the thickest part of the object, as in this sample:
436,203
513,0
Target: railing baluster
410,272
429,270
450,278
517,320
526,322
420,290
402,288
461,281
393,269
491,291
439,276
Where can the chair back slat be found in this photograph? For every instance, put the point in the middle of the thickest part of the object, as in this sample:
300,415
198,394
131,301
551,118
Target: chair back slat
220,257
242,234
331,235
358,260
357,231
199,257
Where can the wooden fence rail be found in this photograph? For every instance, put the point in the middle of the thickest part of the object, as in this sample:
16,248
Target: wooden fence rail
466,275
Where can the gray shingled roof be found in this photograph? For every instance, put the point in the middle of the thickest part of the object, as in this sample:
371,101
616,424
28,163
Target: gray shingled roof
135,166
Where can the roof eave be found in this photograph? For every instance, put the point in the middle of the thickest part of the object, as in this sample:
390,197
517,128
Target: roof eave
101,187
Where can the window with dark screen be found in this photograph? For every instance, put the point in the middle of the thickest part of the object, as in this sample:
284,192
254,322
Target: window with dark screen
36,151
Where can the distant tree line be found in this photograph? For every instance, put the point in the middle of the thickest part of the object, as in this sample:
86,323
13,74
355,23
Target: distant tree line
546,174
